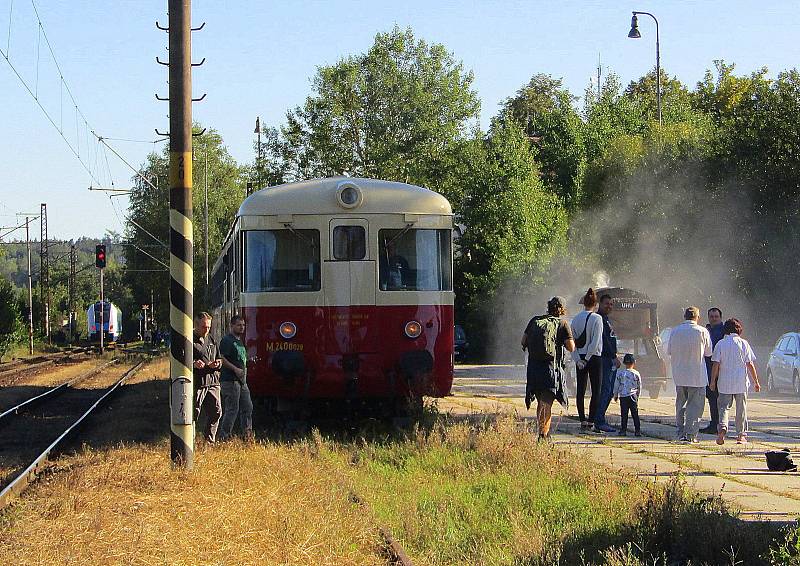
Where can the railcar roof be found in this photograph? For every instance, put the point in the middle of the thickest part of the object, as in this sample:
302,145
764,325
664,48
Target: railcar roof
318,196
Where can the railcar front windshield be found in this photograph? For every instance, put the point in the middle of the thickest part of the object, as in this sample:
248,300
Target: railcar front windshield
415,260
281,261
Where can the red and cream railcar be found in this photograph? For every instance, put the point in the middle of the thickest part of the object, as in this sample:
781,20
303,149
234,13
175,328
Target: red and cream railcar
346,288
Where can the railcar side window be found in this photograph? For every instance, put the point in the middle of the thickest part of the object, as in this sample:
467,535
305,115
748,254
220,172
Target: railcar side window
415,260
282,260
349,243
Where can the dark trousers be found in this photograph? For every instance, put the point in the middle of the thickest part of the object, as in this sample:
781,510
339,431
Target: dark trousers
590,374
629,404
713,406
208,402
608,375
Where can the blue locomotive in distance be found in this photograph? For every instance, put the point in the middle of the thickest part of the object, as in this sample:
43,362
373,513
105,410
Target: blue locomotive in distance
112,321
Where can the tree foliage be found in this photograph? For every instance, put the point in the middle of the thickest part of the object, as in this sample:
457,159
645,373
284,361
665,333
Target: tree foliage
395,112
148,231
11,328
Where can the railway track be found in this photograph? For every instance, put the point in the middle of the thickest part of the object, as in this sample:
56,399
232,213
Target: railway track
11,372
32,431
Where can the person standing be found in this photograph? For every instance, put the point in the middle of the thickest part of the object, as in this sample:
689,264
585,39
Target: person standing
627,386
236,399
608,365
734,363
545,339
207,364
716,330
587,328
689,345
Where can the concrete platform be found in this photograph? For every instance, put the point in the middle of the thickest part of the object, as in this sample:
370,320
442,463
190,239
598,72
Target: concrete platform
737,472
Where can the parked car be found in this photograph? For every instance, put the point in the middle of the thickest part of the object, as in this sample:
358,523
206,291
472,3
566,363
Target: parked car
461,346
783,367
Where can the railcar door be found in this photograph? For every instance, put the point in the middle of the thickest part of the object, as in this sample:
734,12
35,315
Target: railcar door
353,285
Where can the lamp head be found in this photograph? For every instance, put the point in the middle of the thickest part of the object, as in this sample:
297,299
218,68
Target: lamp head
634,33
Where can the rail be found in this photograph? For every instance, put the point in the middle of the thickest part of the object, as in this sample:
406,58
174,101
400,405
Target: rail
58,389
395,552
20,368
28,475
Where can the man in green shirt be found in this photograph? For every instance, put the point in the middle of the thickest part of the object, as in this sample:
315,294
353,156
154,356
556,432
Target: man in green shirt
233,379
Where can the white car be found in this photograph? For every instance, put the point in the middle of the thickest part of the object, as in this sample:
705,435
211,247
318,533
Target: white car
783,368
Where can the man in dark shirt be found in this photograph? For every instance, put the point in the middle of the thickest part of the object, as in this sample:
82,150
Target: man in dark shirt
233,380
545,379
716,328
609,362
206,376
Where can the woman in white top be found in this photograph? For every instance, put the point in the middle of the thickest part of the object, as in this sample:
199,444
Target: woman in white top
587,330
733,364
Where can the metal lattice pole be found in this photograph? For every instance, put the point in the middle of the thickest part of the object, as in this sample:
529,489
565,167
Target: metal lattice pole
44,272
180,233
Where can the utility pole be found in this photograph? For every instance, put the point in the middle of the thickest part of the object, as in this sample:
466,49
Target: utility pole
180,234
44,272
258,154
72,269
205,214
30,286
599,74
102,312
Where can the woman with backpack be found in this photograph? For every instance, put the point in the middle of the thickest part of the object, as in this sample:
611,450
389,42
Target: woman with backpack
587,327
545,338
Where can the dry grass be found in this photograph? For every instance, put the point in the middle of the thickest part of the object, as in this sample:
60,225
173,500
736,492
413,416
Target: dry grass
254,504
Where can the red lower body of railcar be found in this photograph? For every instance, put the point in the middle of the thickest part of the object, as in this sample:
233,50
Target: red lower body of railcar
349,352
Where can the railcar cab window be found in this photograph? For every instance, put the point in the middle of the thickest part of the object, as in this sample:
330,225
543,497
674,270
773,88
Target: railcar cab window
349,243
415,260
282,260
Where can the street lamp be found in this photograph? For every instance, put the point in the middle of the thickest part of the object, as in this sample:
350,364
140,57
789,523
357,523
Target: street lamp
634,34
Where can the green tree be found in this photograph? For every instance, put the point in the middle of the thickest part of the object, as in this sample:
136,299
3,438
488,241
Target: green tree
545,110
395,112
11,328
148,229
514,225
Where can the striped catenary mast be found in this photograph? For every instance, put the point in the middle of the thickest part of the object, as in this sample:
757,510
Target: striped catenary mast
180,232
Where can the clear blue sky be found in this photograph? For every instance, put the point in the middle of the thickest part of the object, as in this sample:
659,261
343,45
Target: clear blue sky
262,55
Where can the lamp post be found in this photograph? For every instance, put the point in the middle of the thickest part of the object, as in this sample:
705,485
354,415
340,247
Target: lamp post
634,34
258,155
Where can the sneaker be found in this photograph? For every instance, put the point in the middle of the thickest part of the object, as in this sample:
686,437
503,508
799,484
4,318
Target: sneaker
637,433
604,428
692,440
683,438
741,439
622,433
585,425
710,429
721,437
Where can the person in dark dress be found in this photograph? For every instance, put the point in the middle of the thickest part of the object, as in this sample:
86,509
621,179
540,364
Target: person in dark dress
545,378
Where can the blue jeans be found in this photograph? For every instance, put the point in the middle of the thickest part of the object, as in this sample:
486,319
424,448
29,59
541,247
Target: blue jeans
606,390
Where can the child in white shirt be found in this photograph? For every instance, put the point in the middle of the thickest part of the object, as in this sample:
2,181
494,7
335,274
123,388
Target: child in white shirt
627,386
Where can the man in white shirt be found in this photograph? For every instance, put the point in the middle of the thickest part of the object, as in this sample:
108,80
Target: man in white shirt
689,345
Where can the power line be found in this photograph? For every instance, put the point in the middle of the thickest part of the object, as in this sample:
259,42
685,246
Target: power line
34,92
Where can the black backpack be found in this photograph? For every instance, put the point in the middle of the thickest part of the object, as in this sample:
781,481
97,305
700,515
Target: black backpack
542,338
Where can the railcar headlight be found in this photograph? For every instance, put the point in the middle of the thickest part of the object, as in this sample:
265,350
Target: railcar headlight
349,195
288,330
413,329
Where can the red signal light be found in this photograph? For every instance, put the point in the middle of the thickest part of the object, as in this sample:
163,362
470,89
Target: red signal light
100,256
